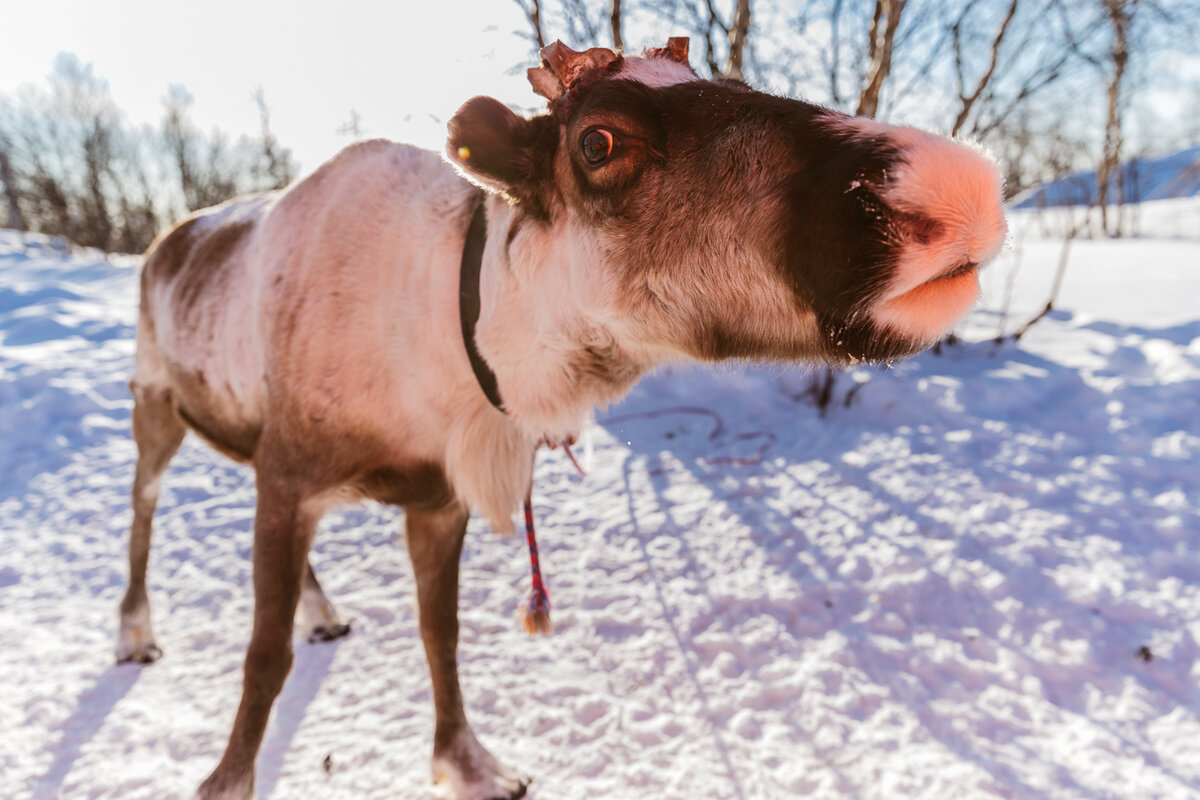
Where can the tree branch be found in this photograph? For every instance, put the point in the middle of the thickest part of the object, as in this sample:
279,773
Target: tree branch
880,50
737,40
533,14
615,19
969,102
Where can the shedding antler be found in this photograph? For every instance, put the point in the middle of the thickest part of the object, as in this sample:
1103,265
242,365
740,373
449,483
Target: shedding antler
676,50
563,67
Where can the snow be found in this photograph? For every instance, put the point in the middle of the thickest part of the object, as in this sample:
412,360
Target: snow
1161,177
976,576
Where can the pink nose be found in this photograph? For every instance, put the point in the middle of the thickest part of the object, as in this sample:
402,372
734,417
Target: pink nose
947,199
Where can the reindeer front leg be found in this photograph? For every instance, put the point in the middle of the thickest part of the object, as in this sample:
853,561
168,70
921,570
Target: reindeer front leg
283,530
435,540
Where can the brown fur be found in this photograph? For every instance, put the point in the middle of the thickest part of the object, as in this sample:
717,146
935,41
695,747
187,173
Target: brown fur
198,406
421,486
208,254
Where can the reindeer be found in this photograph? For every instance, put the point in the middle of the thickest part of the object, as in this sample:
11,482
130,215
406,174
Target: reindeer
327,334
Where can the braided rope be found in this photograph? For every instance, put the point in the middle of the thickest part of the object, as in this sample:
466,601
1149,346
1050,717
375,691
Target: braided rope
535,616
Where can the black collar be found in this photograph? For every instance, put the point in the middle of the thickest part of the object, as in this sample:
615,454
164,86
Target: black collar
469,303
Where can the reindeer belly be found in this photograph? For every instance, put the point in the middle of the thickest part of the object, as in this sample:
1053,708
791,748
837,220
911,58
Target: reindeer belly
207,411
201,290
218,396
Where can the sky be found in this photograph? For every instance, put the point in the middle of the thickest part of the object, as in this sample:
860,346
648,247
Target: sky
393,63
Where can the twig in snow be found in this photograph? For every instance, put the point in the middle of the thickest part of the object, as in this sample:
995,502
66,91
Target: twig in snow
1063,258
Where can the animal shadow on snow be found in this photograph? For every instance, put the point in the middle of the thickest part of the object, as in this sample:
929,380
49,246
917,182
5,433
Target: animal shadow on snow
312,666
809,500
90,714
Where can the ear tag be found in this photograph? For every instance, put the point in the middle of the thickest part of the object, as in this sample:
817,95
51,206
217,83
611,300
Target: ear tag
464,153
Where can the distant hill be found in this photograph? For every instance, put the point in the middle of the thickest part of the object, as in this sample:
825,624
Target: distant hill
1159,178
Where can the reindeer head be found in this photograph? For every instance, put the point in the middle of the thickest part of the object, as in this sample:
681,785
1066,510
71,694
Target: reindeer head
729,223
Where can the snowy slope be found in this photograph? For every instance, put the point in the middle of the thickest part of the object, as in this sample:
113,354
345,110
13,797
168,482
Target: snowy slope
978,577
1163,177
1148,279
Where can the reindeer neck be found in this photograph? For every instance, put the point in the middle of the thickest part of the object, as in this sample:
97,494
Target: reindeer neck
541,328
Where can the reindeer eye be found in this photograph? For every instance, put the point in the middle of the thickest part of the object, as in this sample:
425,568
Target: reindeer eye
597,146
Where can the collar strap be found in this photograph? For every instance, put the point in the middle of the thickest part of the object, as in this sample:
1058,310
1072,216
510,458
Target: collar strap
469,303
536,615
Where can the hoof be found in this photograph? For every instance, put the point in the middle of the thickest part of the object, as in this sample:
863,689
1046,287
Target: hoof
522,787
146,654
217,787
517,792
470,772
328,633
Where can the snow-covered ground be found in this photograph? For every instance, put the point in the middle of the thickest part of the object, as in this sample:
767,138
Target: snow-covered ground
977,577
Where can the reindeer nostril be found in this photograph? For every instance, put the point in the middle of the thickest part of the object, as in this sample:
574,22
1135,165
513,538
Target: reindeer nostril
961,269
917,227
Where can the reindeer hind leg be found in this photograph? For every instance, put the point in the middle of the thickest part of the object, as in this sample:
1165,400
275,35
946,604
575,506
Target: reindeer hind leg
317,615
158,432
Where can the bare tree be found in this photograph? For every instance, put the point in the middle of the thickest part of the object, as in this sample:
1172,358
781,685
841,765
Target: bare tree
353,126
72,165
182,142
723,31
577,22
1048,47
138,202
211,169
968,101
738,32
718,35
61,145
95,123
881,43
582,26
16,220
1119,15
833,62
533,14
276,168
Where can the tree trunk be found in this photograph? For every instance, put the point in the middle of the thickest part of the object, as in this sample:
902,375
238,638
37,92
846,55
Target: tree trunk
618,43
533,13
15,220
737,40
1119,16
97,163
881,43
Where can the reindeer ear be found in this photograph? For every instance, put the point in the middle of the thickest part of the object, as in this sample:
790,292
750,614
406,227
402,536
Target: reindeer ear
501,150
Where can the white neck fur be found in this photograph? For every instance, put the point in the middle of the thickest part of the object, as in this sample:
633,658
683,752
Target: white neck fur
542,326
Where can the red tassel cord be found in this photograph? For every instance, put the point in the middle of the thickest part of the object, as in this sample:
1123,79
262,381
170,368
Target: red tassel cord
567,449
536,614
